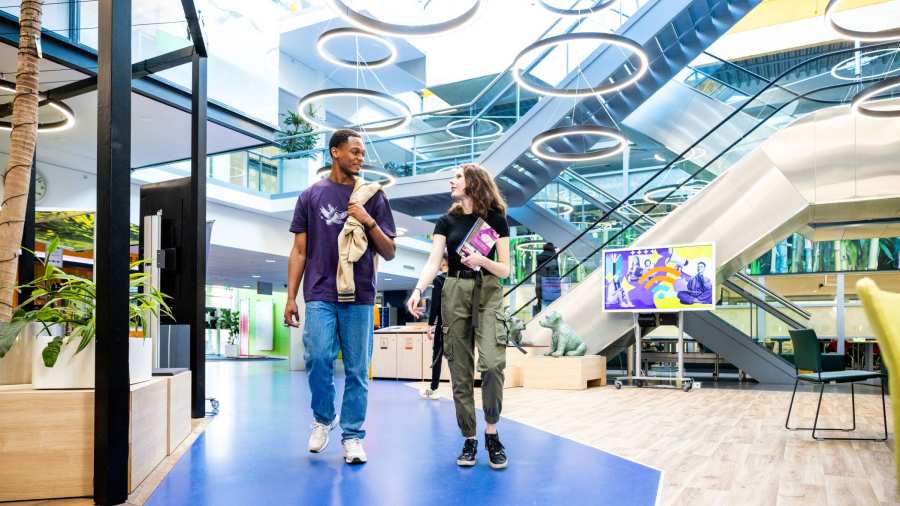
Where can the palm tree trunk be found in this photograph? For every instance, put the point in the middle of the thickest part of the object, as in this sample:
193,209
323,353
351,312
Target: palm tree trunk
17,176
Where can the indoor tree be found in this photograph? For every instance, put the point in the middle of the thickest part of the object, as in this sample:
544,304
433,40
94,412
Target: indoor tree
17,176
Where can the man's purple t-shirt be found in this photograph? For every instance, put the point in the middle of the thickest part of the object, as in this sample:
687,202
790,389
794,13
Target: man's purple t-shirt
320,212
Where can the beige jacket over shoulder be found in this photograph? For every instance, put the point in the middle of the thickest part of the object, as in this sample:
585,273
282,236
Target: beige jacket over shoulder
352,243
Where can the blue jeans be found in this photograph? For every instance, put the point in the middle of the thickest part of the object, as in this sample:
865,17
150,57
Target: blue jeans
329,327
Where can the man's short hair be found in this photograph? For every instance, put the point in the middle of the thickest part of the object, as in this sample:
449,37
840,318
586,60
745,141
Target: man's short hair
701,263
341,136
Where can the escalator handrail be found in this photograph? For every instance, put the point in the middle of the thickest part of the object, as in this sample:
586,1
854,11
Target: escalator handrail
787,90
763,288
572,187
682,155
586,182
790,322
624,213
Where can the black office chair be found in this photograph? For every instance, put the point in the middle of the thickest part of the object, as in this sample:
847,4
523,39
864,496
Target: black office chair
808,357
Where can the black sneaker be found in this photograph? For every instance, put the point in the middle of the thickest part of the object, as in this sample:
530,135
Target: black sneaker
496,453
467,457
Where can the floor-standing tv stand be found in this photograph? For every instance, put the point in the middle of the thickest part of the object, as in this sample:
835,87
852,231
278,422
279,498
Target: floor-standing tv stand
640,379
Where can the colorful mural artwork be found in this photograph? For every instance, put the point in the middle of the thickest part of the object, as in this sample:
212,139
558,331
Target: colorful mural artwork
672,278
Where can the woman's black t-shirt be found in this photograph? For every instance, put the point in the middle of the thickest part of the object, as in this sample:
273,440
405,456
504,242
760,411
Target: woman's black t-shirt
455,227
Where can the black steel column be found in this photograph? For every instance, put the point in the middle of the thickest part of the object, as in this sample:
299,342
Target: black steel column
111,413
197,253
26,259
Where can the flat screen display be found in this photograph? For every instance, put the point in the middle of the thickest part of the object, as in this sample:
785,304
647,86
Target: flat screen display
659,279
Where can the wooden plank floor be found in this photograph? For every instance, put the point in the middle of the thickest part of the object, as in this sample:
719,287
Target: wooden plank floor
723,446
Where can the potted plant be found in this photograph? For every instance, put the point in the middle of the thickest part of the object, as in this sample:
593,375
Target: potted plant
230,322
296,137
63,325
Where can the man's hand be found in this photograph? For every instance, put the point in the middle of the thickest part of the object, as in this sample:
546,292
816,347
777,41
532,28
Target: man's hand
359,212
291,314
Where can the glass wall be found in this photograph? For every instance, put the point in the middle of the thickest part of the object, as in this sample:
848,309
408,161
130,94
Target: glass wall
799,255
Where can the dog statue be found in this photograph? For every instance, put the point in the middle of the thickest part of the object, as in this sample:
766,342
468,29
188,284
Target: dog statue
515,328
564,340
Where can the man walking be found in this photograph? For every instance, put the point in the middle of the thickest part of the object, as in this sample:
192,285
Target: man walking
338,209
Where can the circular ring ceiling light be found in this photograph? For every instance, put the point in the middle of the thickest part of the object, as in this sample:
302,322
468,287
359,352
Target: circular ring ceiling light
339,33
539,142
356,93
603,226
366,170
863,97
598,6
609,38
561,208
685,192
66,123
865,59
877,36
498,128
373,25
532,246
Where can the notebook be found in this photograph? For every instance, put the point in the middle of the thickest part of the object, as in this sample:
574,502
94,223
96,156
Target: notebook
481,238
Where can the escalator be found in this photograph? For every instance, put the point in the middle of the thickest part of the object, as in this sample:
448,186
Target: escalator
828,167
671,32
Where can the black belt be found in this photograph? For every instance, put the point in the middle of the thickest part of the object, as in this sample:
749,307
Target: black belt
467,274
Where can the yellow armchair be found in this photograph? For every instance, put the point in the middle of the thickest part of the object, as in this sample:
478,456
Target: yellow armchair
882,310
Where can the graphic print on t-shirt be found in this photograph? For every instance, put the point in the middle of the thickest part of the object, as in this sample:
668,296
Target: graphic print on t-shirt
332,216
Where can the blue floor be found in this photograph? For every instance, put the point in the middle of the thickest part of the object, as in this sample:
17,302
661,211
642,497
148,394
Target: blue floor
254,452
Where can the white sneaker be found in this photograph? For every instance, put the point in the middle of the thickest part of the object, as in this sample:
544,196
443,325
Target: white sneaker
353,452
429,394
318,440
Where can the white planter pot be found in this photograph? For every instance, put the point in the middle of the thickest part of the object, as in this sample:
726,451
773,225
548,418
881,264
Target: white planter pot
70,371
77,370
224,336
232,350
140,359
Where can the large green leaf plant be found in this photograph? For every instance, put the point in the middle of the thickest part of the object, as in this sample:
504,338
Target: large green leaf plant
231,321
69,301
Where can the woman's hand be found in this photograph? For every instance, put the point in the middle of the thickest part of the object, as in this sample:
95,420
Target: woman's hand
474,260
412,305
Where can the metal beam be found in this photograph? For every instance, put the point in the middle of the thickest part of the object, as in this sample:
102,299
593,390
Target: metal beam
111,394
195,26
139,70
60,50
196,253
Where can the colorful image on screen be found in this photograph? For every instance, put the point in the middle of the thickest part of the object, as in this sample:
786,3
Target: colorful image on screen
673,278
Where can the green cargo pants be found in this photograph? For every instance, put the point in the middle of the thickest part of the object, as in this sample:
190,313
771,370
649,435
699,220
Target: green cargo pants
459,348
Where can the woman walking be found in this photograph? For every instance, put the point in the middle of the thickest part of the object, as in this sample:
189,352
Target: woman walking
471,312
